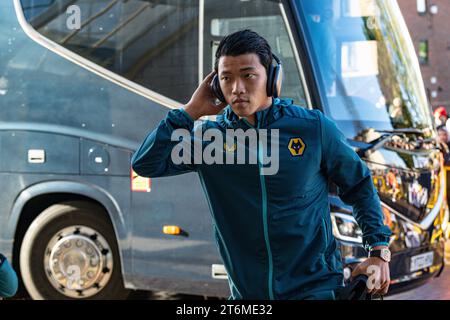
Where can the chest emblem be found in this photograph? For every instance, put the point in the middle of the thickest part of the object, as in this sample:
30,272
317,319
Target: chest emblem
296,146
230,149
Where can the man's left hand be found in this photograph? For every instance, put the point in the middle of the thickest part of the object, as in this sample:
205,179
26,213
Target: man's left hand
378,272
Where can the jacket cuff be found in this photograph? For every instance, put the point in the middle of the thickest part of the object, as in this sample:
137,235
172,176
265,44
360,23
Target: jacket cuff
381,237
179,119
187,115
379,244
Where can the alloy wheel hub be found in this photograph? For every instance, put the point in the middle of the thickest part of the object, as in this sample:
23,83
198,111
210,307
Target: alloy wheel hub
78,261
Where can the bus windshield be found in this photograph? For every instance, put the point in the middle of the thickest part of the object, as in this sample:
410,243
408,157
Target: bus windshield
365,65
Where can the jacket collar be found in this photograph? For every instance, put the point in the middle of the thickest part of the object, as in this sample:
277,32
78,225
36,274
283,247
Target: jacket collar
263,117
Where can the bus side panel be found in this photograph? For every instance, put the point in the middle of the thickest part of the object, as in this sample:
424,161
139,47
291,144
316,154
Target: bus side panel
41,88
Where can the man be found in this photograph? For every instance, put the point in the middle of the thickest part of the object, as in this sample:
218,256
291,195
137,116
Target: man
440,116
273,231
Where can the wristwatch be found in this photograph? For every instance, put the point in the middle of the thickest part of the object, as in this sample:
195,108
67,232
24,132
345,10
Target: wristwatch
384,254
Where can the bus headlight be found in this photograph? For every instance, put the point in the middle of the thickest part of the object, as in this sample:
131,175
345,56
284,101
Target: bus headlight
346,228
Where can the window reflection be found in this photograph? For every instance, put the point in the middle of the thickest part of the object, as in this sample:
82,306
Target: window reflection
367,65
153,43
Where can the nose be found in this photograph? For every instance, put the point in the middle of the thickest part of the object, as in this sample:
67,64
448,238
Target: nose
238,87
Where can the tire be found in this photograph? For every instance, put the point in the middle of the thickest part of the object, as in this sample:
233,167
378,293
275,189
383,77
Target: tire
70,252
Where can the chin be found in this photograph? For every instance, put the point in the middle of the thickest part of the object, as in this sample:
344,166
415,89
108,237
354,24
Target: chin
242,112
238,111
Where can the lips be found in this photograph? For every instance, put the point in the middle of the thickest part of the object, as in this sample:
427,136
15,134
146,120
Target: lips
239,101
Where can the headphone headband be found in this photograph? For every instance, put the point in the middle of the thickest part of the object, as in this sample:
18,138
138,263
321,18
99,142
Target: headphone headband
276,59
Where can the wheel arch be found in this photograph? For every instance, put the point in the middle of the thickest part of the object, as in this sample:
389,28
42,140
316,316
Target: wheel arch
36,198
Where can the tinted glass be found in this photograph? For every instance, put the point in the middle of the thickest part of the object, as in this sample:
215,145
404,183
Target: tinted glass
366,64
153,43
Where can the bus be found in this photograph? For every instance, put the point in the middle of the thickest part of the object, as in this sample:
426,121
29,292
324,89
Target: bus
83,81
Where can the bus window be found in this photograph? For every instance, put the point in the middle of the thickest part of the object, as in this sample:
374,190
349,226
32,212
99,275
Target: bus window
367,69
264,17
153,43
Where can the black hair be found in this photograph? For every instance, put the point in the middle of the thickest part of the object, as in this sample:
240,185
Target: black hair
243,42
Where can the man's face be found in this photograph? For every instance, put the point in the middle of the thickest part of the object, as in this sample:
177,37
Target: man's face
243,82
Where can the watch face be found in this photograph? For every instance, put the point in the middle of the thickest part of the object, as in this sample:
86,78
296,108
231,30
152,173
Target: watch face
386,255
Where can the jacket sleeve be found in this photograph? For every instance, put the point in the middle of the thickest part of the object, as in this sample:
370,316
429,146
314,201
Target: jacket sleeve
355,187
153,158
8,279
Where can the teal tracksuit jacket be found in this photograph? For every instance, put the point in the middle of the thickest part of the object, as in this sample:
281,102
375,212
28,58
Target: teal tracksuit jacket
274,232
8,279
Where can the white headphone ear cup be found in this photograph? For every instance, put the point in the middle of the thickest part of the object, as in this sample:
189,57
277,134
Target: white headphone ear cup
277,79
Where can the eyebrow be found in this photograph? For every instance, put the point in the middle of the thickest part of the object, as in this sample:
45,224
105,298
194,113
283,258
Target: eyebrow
242,69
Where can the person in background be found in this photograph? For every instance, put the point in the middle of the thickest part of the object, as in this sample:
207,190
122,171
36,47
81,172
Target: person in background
8,279
440,116
444,143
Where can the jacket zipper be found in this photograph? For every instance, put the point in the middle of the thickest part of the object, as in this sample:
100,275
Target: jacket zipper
264,211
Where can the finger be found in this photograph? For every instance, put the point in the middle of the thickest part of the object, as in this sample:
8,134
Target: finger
388,281
207,80
210,76
376,286
375,291
382,291
386,290
385,281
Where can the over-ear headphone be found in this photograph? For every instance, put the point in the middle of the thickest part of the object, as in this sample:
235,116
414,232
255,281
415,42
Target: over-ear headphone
274,80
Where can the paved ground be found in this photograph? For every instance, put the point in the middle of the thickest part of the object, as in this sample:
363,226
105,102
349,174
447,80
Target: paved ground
436,289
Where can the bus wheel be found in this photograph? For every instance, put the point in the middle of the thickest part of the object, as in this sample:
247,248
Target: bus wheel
70,252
